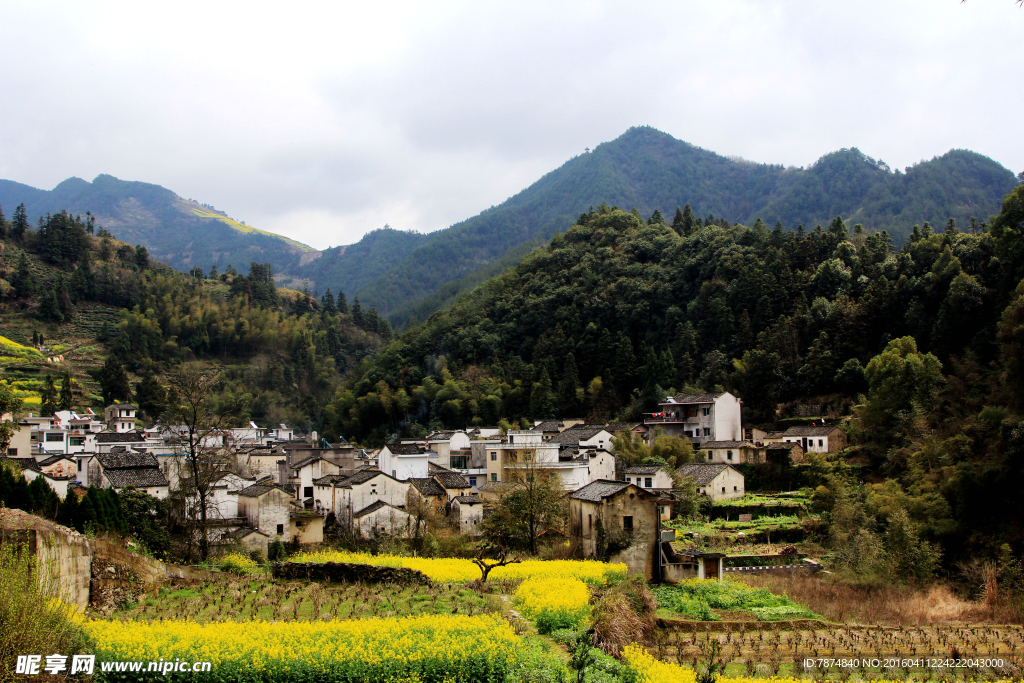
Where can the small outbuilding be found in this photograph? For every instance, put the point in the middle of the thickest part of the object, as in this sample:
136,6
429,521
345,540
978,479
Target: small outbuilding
718,481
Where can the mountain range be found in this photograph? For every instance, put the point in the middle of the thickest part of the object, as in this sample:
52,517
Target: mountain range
408,275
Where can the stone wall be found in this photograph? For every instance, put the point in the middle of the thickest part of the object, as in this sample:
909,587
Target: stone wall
65,558
344,572
89,570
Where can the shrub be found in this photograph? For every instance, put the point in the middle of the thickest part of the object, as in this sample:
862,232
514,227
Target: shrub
237,563
276,551
32,619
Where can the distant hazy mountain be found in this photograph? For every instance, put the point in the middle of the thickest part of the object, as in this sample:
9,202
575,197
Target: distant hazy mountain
179,231
648,169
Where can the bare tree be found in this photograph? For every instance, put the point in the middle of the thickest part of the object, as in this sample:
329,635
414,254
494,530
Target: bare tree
486,565
198,429
531,502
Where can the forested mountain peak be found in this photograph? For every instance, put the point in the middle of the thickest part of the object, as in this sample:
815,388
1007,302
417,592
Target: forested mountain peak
181,232
651,170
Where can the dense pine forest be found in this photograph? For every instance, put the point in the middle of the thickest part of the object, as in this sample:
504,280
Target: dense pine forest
922,347
118,320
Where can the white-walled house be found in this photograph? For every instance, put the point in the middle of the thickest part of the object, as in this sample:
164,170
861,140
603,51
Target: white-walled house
306,471
120,417
574,464
467,514
344,495
716,480
650,477
123,470
699,417
380,518
732,452
405,460
817,439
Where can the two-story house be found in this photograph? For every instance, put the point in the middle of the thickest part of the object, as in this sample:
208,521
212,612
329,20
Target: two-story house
817,439
699,417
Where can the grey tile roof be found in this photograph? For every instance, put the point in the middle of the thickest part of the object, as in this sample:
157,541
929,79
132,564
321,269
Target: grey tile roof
644,469
428,487
686,399
363,476
406,448
596,491
727,444
782,446
810,431
548,426
55,459
257,490
440,436
242,532
305,461
614,427
702,473
116,461
123,437
141,477
774,435
467,500
330,479
24,463
450,480
372,507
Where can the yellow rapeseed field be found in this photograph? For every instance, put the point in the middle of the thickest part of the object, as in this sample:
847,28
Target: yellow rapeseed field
424,648
554,602
453,570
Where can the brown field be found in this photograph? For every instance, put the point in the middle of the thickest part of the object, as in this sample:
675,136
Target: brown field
882,605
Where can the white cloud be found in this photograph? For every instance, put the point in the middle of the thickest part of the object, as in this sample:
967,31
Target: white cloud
326,120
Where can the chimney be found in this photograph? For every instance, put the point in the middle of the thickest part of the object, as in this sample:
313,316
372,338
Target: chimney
282,472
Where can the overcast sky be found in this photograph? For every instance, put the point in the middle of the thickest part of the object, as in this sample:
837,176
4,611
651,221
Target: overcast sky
323,121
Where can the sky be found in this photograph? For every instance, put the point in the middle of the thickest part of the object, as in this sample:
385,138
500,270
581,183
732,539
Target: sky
323,121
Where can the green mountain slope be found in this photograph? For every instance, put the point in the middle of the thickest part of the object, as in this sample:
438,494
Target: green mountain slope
179,231
651,170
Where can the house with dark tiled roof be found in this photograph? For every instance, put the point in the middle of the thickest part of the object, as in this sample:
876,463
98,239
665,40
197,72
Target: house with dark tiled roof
467,514
718,481
650,477
699,417
30,470
453,483
344,494
305,472
406,460
426,488
606,512
817,438
267,507
732,452
129,470
783,451
382,519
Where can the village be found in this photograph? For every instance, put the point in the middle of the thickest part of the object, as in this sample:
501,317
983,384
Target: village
249,487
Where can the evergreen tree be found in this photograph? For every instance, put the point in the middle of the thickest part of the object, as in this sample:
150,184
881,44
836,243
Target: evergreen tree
656,218
837,228
66,398
357,313
114,381
677,221
213,272
49,308
83,284
342,304
142,257
327,303
3,223
23,281
63,298
48,397
542,398
151,396
19,225
569,388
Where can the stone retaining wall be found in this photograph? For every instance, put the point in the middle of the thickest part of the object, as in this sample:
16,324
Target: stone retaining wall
88,570
345,572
